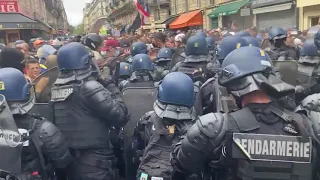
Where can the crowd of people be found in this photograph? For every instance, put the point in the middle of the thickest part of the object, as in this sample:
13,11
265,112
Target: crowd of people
195,105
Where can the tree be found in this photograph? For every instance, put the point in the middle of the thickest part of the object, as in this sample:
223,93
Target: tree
79,29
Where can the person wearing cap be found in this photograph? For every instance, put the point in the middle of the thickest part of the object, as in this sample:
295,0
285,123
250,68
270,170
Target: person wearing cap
125,45
111,51
111,48
19,42
56,43
38,43
178,40
178,53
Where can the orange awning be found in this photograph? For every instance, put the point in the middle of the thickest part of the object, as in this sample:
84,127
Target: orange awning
193,18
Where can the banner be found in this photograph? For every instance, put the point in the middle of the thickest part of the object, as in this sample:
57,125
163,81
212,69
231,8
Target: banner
9,7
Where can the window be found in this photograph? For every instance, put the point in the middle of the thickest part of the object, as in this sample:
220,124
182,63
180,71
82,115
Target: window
314,21
157,15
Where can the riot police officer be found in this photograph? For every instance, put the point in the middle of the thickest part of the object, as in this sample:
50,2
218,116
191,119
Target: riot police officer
216,98
159,129
250,138
251,41
142,72
228,44
308,71
201,33
125,71
137,48
10,159
44,147
279,50
163,62
197,63
242,34
85,109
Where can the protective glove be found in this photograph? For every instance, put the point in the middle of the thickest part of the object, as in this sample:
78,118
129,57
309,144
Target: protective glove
109,84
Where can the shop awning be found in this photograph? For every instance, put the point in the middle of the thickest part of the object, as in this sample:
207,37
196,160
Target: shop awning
279,7
193,18
15,18
19,21
228,9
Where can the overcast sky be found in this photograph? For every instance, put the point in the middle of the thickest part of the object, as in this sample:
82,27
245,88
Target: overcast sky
74,10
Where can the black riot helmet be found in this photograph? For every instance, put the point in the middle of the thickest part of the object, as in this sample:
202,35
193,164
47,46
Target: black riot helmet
277,33
76,38
249,69
93,41
196,46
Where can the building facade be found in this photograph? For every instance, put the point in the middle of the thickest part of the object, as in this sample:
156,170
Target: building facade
215,13
274,13
122,14
159,14
227,12
181,8
95,15
55,14
309,13
26,19
245,13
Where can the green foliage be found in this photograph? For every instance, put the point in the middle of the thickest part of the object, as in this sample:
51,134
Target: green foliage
79,30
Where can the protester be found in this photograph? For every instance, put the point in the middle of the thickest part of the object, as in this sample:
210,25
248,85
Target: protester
178,39
32,68
159,40
110,47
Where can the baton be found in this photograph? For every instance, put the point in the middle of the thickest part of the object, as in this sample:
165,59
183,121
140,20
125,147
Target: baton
117,73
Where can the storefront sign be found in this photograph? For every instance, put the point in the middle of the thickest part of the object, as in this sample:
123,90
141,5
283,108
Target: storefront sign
245,12
8,6
19,26
262,3
156,26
